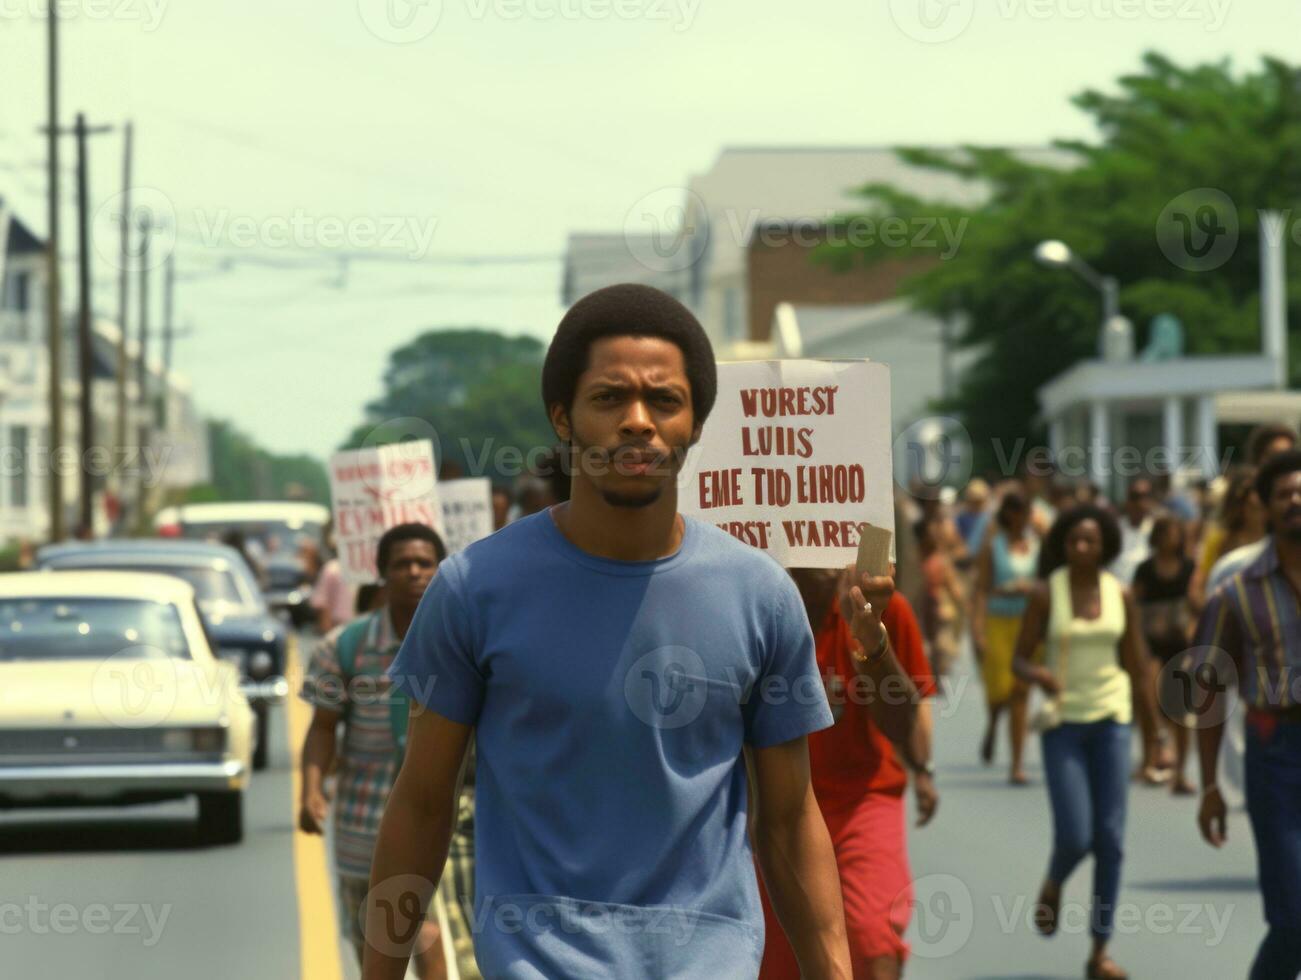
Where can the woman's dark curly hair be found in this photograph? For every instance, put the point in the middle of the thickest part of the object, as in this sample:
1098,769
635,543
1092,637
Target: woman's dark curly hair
1052,555
628,309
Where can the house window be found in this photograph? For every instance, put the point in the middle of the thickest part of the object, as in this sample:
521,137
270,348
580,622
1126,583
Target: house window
17,466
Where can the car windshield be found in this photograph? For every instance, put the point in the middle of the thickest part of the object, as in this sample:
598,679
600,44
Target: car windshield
211,585
265,538
70,628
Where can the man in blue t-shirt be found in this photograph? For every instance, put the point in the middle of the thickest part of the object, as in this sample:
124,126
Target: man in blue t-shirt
620,667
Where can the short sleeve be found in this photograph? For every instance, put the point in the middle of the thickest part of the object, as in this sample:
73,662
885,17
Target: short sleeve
788,699
909,649
436,665
324,685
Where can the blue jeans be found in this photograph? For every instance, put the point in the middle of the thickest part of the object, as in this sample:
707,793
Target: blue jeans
1087,768
1273,765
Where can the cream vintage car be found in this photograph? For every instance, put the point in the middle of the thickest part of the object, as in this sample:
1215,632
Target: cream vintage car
110,694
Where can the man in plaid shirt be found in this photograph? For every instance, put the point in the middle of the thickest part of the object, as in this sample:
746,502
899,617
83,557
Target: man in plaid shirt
346,682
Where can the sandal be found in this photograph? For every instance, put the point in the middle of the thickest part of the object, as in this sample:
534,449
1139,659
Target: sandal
1104,968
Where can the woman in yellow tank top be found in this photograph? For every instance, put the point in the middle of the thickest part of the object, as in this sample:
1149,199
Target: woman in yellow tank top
1094,663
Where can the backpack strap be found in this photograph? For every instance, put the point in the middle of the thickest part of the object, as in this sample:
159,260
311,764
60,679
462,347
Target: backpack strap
349,643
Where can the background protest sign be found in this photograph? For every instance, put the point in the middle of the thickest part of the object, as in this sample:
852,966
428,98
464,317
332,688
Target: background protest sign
371,490
794,458
467,511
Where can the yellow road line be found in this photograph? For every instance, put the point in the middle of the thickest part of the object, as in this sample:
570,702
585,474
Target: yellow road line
318,927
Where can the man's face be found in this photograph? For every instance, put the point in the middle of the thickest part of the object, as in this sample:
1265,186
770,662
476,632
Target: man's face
632,419
1138,502
1285,506
411,567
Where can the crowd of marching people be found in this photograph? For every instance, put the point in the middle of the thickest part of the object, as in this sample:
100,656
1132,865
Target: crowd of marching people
1099,607
1116,612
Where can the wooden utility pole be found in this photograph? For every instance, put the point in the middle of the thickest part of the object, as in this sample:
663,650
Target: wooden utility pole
169,311
52,312
142,367
123,303
85,331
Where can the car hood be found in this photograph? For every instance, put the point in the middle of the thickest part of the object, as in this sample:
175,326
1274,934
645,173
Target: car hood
243,630
128,693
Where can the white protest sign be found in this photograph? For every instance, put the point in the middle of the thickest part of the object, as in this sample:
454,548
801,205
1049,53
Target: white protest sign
795,456
467,511
371,490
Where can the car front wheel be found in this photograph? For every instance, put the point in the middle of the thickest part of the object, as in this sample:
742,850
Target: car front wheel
221,817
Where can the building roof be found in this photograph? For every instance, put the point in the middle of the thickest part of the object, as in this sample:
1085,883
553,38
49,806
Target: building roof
1136,381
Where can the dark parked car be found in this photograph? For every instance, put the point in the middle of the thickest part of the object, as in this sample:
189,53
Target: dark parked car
242,629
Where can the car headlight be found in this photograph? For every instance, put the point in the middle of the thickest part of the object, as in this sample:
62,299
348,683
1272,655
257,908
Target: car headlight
209,739
260,664
178,740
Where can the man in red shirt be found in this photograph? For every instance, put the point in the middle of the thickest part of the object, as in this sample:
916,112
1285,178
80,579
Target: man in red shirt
883,722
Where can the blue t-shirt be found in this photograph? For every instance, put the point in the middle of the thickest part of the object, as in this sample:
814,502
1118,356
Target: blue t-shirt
611,701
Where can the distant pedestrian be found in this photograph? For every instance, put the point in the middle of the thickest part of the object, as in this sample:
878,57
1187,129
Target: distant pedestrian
1249,636
1161,592
346,683
1094,662
1005,577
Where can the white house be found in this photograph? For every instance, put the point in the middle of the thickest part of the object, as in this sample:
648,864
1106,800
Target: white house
180,454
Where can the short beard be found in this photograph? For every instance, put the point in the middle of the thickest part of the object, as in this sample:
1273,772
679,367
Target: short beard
629,500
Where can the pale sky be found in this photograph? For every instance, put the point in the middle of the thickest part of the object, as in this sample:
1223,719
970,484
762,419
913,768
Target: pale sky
496,131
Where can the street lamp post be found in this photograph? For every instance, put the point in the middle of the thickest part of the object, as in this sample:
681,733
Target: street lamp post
1058,255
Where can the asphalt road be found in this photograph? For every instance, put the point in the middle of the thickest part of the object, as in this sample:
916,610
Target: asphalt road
129,894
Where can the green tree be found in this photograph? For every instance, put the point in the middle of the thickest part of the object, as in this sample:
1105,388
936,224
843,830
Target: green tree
477,390
242,470
1167,131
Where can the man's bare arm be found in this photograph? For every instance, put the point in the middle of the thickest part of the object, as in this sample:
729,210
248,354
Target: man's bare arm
317,757
797,859
413,840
